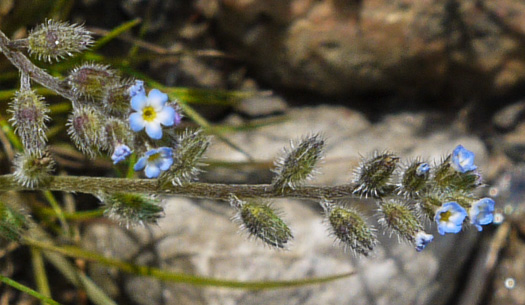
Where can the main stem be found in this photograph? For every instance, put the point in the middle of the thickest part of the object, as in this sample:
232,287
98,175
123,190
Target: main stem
96,185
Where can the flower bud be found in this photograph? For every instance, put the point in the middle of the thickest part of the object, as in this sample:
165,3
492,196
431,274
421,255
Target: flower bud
373,175
32,170
186,161
87,130
29,119
349,227
413,179
131,209
116,99
13,223
400,218
55,40
260,220
117,132
91,81
298,164
428,203
447,177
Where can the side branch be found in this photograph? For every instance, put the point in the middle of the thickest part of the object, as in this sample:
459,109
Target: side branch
23,64
95,185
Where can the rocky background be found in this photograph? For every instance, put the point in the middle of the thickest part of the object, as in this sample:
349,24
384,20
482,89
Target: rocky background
413,77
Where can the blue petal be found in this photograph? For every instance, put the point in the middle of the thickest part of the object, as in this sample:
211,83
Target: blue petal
151,152
152,171
154,130
463,159
120,153
138,88
139,101
167,116
141,163
166,151
136,122
157,99
166,163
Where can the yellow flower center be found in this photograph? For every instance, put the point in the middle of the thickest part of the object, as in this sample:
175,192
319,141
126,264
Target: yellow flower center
154,157
445,216
149,114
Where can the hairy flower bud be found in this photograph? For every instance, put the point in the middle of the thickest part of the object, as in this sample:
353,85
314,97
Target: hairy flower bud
261,220
447,177
91,81
55,40
29,119
349,227
298,164
373,175
117,132
32,170
413,179
131,209
87,130
186,161
13,223
428,202
400,218
116,98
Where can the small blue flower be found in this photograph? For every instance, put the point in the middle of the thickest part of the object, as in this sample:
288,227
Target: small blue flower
151,111
482,212
422,169
463,159
155,161
121,152
422,240
450,217
136,89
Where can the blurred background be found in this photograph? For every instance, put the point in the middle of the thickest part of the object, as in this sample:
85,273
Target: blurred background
413,77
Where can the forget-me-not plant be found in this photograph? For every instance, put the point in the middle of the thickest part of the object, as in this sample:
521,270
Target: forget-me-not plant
109,113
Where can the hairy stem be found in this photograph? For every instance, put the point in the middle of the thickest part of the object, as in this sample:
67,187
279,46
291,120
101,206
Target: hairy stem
24,65
95,185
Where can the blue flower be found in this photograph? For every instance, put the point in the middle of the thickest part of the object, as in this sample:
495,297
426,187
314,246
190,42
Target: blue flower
450,217
136,89
422,240
482,213
121,152
155,161
422,169
463,159
151,111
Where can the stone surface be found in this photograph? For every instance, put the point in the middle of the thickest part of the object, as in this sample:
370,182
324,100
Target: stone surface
198,237
334,47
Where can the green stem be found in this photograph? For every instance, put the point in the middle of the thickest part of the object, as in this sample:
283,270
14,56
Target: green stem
160,274
58,211
39,271
96,185
27,290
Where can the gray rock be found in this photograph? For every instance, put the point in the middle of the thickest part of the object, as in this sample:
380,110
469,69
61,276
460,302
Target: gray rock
198,237
509,116
352,47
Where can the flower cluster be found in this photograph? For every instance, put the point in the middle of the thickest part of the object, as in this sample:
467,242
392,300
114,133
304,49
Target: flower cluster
443,194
